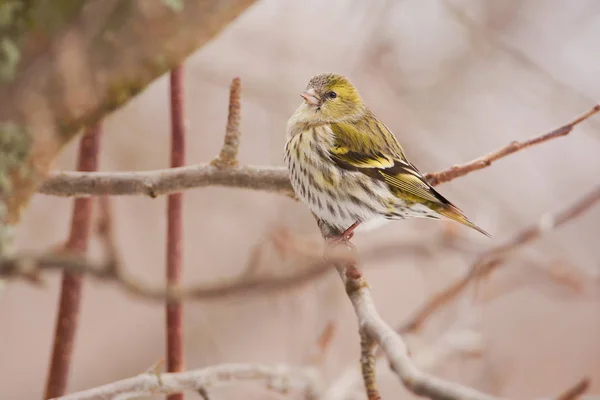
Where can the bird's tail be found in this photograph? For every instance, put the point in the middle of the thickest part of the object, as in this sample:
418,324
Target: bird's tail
452,212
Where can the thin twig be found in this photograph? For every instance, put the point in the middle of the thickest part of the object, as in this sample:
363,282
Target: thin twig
368,349
174,262
576,391
264,178
457,171
228,156
277,378
24,266
71,287
31,266
494,257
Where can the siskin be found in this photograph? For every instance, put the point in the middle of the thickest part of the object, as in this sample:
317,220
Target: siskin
349,167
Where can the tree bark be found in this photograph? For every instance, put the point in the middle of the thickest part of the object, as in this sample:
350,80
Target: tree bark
65,65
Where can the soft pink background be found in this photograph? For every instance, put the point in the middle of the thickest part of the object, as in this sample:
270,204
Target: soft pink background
453,80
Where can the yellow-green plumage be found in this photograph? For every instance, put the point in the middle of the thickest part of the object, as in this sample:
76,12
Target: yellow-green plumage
348,166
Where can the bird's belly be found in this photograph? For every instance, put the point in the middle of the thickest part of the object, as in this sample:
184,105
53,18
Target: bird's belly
343,198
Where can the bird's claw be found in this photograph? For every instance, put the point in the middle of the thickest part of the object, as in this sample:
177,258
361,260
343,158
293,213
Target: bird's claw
345,236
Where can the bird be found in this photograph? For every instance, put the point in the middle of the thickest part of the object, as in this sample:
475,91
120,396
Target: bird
350,169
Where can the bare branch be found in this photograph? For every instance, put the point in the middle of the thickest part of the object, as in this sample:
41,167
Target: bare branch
264,178
392,344
277,378
576,391
174,247
494,257
71,286
368,349
457,171
228,156
165,181
30,266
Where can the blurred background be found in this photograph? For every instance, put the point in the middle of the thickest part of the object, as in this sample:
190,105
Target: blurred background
454,80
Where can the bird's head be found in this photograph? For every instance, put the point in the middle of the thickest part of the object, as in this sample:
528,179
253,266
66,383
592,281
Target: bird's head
330,98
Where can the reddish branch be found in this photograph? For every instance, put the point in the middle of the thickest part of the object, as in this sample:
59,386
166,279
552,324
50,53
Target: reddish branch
70,292
576,391
174,311
457,171
494,257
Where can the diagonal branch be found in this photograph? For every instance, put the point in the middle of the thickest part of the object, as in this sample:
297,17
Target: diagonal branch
263,178
457,171
392,344
494,257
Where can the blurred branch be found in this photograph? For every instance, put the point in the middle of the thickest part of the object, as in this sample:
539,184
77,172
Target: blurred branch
392,343
67,316
576,391
281,379
264,178
494,257
30,266
65,66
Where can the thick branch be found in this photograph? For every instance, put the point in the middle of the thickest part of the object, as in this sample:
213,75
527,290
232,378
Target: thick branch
77,62
264,178
279,378
165,181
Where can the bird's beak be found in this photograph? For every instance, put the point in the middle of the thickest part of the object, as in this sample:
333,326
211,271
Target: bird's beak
311,97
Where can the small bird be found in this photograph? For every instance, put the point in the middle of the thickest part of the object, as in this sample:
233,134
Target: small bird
349,168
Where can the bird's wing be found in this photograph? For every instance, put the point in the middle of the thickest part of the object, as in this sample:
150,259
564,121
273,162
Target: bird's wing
384,161
356,149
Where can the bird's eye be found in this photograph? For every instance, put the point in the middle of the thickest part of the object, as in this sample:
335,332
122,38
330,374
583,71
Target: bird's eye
332,95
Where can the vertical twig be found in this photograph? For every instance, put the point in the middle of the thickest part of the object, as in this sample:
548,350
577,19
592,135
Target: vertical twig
227,158
70,293
368,349
354,282
174,311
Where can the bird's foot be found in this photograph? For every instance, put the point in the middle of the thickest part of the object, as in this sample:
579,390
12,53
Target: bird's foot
345,236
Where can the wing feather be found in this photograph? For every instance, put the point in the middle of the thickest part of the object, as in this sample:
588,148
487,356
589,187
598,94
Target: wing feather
356,149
